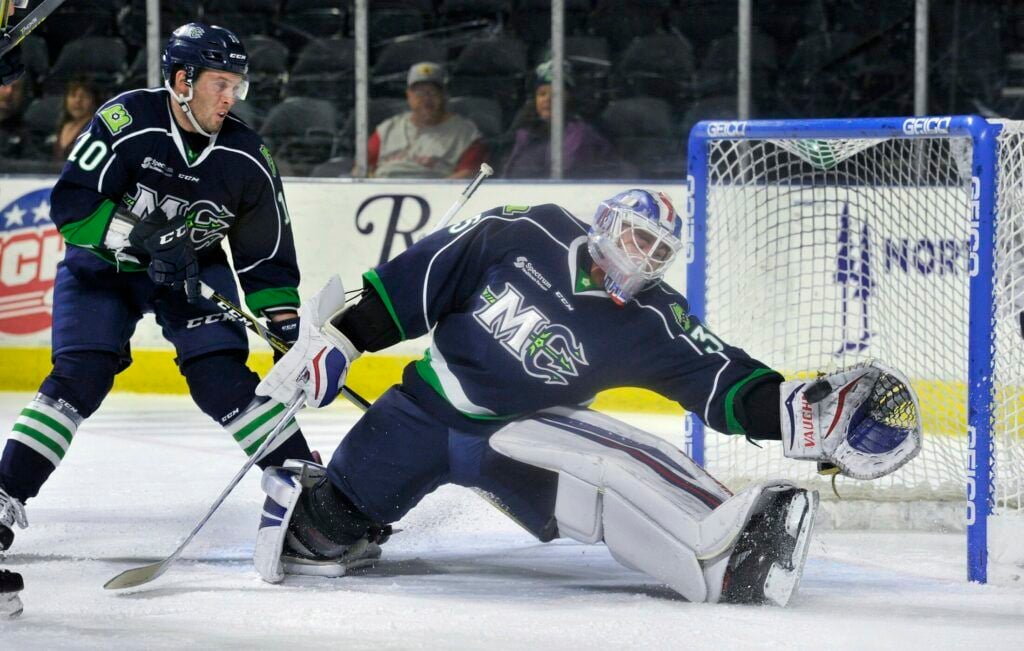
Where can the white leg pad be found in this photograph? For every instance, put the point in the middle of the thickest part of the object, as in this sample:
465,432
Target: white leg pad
656,510
282,485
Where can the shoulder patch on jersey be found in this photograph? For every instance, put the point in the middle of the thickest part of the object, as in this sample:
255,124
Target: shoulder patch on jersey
513,209
680,315
116,117
265,151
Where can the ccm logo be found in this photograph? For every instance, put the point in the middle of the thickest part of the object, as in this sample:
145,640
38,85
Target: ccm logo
919,126
178,233
727,128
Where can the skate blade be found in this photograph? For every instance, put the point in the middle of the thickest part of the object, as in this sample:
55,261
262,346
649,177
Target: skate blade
333,568
781,584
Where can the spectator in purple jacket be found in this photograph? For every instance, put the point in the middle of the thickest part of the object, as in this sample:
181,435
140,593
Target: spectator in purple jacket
585,152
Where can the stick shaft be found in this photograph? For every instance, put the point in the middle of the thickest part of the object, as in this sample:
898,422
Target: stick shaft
145,574
27,25
485,171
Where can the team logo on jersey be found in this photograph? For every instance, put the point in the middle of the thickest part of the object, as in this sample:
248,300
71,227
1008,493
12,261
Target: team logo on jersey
30,248
208,222
548,351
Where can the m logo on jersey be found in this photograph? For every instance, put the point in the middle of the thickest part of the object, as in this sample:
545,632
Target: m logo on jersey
547,351
30,248
207,221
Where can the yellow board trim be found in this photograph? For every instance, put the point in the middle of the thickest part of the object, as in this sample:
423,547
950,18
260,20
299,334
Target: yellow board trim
154,371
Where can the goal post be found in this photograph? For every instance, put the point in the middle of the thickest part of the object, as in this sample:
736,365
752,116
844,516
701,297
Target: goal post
816,244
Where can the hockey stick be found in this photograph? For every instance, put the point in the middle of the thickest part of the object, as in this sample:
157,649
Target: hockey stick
485,171
278,344
139,575
34,19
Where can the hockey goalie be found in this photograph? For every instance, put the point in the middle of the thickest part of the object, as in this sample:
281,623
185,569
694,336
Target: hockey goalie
531,313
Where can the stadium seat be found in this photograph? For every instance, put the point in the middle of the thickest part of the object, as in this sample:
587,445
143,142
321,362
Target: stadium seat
303,21
302,131
391,68
483,111
41,123
335,167
268,69
249,114
76,20
243,17
325,68
622,20
703,21
820,78
642,131
35,56
102,58
453,12
491,67
660,65
531,19
381,108
717,72
386,23
718,107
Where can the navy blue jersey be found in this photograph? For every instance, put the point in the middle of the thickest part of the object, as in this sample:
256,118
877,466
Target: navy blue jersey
134,155
520,325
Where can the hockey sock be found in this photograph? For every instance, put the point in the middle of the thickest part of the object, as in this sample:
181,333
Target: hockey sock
38,442
224,388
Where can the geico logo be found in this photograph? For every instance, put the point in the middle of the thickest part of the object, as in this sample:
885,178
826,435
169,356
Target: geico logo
974,260
972,469
30,257
918,126
728,129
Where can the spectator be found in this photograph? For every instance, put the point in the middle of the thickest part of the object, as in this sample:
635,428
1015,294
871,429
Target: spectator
427,141
81,99
13,135
585,152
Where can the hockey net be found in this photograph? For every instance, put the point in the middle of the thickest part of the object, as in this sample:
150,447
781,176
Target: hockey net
825,252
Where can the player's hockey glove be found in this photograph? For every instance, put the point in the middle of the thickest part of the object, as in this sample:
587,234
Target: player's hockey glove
318,362
168,243
865,420
287,330
11,67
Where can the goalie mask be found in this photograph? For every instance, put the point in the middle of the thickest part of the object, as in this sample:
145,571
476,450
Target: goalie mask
195,47
634,239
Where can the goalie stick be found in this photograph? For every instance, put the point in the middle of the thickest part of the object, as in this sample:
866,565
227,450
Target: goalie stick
140,575
485,171
12,37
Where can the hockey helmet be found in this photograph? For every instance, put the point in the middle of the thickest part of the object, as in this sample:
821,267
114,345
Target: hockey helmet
634,238
197,46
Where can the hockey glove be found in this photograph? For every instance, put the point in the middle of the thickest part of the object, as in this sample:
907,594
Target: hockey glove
318,362
865,420
287,330
11,67
168,243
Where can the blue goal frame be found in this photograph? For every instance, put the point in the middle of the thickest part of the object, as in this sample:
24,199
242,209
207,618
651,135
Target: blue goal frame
981,337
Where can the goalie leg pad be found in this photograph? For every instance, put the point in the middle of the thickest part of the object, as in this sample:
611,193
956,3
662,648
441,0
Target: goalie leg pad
655,509
283,486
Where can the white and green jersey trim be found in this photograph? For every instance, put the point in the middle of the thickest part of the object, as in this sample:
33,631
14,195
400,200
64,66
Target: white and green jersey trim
47,428
434,370
250,428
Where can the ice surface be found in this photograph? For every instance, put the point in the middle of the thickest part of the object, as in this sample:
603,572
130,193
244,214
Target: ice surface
459,575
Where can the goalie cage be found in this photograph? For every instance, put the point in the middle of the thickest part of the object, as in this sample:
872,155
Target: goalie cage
816,244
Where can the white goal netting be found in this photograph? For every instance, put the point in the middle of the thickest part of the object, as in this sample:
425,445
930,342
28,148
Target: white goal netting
826,252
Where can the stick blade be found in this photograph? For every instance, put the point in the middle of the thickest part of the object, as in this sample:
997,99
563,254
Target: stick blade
136,576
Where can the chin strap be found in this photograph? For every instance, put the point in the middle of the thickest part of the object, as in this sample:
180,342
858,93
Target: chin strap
183,101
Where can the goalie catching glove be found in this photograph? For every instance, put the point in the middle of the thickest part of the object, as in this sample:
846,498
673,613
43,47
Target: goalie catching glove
318,362
864,420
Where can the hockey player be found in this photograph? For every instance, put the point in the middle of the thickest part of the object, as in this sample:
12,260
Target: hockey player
159,178
532,313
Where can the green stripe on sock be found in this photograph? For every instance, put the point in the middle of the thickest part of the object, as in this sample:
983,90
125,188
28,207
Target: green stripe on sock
39,436
52,423
249,451
257,423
